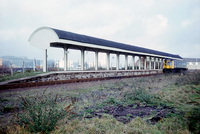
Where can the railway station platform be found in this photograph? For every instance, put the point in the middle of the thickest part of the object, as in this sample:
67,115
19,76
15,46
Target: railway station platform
62,77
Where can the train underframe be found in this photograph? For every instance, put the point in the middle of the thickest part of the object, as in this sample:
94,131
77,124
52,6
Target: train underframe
175,70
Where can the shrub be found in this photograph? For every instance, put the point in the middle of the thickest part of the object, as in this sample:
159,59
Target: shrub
139,94
194,120
42,113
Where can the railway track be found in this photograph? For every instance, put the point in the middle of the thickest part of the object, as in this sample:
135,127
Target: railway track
55,82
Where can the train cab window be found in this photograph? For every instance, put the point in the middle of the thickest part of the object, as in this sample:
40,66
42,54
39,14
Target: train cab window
169,63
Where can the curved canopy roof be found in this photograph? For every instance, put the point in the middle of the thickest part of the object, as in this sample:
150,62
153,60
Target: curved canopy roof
42,37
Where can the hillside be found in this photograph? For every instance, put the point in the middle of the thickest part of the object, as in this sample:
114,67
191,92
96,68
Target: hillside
18,61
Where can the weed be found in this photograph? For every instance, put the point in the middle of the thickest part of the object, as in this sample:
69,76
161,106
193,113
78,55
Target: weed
3,100
129,115
125,117
139,94
100,105
89,110
7,108
112,101
74,99
189,78
41,113
19,75
172,125
194,120
88,115
134,106
101,88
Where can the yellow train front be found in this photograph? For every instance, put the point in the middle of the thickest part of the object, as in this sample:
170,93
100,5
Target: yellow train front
174,66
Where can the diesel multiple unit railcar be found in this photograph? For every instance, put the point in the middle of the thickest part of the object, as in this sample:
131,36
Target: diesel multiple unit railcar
174,66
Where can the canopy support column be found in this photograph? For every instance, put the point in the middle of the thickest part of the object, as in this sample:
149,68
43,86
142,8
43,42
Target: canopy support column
96,60
149,63
82,58
126,62
133,66
117,66
108,61
45,69
139,63
65,59
145,63
161,63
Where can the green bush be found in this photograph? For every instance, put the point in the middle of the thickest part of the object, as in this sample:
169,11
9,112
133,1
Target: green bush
139,94
194,120
42,113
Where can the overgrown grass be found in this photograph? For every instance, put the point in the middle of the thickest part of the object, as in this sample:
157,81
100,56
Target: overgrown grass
108,124
18,75
182,93
139,95
41,113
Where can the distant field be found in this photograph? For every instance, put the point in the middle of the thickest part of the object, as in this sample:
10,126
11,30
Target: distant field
18,75
168,103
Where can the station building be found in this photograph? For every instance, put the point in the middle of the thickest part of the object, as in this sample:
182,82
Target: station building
192,63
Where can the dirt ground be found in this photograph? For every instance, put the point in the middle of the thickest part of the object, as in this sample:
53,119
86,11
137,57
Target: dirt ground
126,113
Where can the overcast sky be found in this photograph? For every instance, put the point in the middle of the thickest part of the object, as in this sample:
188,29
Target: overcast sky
171,26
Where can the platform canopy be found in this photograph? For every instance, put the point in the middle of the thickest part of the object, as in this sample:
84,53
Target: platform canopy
44,37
